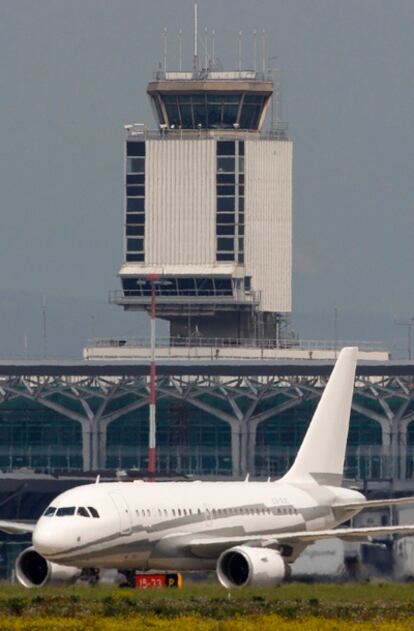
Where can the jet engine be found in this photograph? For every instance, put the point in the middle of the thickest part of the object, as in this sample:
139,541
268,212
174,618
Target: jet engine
33,570
241,566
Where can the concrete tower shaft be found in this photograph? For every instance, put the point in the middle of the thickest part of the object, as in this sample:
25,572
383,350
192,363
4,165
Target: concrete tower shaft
208,207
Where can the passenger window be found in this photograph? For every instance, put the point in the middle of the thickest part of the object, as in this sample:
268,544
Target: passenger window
184,511
173,512
148,512
190,511
49,512
159,512
93,512
165,512
179,511
65,511
82,512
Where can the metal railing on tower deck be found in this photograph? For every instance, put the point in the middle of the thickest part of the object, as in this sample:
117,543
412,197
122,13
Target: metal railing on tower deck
199,296
141,132
232,342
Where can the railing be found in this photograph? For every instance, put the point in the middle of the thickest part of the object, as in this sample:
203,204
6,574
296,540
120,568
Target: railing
217,75
229,342
184,295
278,132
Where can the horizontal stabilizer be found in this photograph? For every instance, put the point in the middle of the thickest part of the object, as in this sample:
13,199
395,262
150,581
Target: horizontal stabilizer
398,501
16,527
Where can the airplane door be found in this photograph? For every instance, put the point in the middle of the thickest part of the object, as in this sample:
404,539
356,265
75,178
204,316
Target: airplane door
125,522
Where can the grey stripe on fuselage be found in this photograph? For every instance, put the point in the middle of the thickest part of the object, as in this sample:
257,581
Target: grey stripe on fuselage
163,528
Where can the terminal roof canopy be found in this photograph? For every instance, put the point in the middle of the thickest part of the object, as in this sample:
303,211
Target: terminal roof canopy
220,100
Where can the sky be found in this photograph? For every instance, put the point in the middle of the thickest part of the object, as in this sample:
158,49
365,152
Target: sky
72,72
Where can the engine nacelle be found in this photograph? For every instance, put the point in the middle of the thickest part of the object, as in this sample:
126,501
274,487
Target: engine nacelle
33,570
241,566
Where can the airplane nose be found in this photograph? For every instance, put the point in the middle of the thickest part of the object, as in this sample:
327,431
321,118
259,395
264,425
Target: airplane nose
48,539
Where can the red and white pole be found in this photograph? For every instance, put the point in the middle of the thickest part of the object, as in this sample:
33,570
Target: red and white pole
152,446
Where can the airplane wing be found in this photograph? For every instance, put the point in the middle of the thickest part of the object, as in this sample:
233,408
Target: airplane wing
399,501
16,527
207,546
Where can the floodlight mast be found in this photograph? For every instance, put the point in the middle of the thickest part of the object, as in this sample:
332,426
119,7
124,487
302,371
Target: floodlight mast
154,280
152,449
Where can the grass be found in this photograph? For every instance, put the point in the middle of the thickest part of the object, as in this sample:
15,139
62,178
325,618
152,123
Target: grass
209,607
211,600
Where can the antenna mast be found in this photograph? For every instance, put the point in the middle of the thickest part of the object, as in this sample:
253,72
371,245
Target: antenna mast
263,51
180,49
165,49
206,47
255,50
195,55
240,50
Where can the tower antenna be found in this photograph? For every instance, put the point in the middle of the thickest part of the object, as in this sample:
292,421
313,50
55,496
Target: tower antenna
44,326
206,47
180,49
213,47
195,55
164,36
263,51
255,50
240,49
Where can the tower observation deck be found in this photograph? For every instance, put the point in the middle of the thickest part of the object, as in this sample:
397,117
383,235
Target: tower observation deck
208,207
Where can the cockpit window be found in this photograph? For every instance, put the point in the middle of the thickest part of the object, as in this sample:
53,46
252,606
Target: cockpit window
82,511
50,511
93,511
66,510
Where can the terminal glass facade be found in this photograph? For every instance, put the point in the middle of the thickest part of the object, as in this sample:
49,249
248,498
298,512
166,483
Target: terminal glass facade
191,438
188,441
36,437
278,440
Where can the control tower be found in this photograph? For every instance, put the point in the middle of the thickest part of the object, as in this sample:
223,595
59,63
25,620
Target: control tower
208,207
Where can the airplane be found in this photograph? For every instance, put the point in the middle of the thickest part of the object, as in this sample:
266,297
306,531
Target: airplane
249,532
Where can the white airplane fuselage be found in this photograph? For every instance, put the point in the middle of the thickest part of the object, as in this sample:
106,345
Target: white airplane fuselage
148,526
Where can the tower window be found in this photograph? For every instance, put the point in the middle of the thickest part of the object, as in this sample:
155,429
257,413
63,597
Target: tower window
136,165
226,204
135,148
226,165
135,204
224,244
226,148
135,245
134,191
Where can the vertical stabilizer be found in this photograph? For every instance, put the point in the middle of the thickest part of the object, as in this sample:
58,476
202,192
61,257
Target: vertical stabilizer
322,453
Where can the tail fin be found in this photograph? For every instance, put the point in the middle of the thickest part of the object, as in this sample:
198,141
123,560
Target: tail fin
322,453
